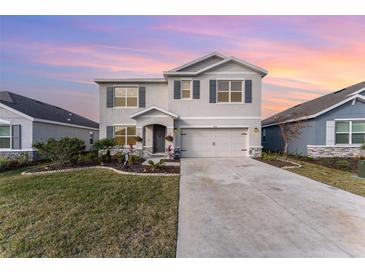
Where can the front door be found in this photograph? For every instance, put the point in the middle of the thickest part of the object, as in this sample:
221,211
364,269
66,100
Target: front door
159,133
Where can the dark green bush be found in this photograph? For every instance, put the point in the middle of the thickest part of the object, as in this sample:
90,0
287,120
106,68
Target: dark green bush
23,159
4,163
133,159
120,157
103,144
156,166
343,164
60,151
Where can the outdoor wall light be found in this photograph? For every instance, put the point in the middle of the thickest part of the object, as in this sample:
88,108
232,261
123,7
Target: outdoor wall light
256,130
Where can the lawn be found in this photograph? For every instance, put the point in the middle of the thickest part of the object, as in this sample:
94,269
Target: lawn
91,213
337,172
330,176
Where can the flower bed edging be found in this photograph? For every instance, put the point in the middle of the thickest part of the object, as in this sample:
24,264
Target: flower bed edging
296,165
26,173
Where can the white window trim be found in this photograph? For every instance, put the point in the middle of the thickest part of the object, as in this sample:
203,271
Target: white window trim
229,91
191,89
126,86
126,133
350,132
10,137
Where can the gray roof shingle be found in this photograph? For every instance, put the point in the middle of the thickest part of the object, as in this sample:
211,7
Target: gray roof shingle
44,111
314,106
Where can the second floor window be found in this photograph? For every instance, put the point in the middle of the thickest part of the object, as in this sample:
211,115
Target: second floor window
186,89
230,91
126,97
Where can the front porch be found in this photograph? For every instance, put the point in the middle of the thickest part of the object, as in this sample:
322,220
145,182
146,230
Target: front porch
156,128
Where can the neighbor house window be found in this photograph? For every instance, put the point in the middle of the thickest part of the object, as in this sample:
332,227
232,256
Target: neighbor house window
350,132
5,137
125,135
186,89
126,96
230,91
358,132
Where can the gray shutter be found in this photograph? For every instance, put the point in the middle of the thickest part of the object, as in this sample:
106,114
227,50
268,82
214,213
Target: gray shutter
330,133
248,91
109,132
212,91
142,97
109,97
196,89
16,137
177,89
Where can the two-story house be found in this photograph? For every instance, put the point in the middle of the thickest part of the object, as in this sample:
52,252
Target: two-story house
210,107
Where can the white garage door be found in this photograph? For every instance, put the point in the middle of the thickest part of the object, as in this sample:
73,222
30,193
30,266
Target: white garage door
223,142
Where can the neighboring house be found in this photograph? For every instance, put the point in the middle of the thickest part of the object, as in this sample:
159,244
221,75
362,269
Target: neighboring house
334,125
24,121
210,106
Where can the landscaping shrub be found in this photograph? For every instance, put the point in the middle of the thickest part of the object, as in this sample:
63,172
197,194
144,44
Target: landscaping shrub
120,156
23,159
363,147
343,164
269,156
106,158
4,163
133,159
156,166
103,144
85,158
60,151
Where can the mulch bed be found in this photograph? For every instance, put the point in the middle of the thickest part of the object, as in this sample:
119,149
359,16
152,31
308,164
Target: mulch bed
137,168
277,163
345,164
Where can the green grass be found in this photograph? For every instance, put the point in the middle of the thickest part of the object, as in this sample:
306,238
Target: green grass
330,176
91,213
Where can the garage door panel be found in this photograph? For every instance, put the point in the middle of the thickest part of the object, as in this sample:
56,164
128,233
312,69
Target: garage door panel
225,142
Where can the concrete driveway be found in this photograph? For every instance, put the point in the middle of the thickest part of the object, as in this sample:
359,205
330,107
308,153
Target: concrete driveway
245,208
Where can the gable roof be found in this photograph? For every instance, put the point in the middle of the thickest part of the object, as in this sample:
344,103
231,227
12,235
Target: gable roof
318,106
219,59
136,114
40,111
132,80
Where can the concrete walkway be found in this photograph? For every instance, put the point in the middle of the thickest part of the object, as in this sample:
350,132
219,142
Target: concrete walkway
245,208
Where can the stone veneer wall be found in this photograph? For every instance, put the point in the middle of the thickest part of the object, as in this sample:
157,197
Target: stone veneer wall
255,152
13,155
327,152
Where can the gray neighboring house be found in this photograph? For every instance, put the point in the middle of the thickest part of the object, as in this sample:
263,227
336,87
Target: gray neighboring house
334,125
24,121
209,107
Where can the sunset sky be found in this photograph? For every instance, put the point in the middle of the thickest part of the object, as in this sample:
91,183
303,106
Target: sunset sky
55,59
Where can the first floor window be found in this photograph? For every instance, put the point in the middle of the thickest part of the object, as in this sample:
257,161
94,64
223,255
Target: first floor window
350,132
126,96
125,135
230,91
5,136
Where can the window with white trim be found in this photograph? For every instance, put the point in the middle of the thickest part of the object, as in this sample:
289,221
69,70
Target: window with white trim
350,132
125,135
230,91
186,89
126,96
5,136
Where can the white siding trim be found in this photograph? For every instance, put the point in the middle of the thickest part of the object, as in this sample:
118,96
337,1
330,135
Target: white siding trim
62,124
217,126
2,121
16,112
221,118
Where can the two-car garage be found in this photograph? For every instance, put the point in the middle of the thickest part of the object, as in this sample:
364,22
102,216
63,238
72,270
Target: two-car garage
214,142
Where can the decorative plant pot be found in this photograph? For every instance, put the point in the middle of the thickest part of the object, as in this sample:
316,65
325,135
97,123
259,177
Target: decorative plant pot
362,153
169,138
139,139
